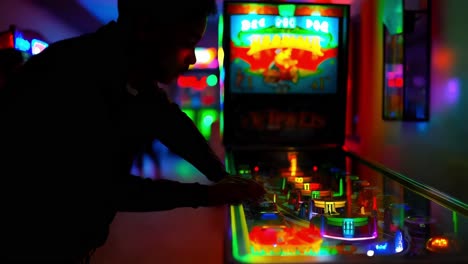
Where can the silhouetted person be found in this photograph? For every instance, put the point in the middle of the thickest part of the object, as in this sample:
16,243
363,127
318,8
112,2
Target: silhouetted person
82,108
10,60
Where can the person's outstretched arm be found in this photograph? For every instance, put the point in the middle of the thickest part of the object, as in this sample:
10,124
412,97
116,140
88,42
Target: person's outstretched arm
136,194
144,195
174,129
177,131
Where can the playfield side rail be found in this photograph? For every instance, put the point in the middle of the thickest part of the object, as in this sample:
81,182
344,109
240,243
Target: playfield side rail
419,188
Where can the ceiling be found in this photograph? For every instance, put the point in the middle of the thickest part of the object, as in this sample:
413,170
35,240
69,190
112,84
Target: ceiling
76,14
88,15
103,10
83,15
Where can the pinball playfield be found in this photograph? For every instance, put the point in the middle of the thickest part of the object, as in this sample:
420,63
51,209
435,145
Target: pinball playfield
325,208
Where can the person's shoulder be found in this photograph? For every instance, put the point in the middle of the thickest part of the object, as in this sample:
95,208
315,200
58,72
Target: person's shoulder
80,52
65,58
87,43
74,47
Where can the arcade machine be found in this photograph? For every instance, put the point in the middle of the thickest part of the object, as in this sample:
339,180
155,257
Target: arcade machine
198,90
27,41
284,125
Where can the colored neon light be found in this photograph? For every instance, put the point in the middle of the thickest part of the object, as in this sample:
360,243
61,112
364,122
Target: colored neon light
7,40
22,44
277,41
395,82
33,47
192,82
358,221
222,72
37,46
212,80
190,113
399,242
442,244
374,236
286,10
348,227
340,192
196,83
206,119
206,58
381,247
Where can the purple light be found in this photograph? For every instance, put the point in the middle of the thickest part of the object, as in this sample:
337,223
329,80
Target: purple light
452,92
374,236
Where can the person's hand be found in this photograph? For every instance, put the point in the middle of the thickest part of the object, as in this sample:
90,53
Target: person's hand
235,190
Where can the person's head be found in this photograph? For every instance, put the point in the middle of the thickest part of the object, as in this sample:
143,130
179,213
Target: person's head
10,60
162,35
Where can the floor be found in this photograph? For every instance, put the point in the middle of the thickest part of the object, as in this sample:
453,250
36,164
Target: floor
179,236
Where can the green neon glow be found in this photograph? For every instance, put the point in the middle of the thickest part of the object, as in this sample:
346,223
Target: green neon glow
212,80
315,194
338,221
340,192
353,177
455,222
205,120
220,31
221,71
286,10
402,216
190,113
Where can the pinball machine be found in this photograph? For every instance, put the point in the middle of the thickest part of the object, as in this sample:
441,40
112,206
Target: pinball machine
284,126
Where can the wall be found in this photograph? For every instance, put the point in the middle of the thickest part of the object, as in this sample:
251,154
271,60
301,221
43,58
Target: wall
435,152
28,16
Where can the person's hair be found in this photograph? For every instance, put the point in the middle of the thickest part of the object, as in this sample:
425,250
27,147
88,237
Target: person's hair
160,10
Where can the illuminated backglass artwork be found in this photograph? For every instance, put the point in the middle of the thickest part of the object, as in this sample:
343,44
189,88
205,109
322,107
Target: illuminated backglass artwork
283,49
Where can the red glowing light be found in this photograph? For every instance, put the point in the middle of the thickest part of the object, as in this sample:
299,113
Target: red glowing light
395,82
256,168
314,186
315,168
7,40
208,100
192,82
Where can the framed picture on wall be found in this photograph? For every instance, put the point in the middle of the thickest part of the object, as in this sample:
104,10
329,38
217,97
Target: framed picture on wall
407,53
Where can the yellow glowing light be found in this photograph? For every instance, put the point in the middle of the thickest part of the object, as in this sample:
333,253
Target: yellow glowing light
309,43
293,166
440,242
204,56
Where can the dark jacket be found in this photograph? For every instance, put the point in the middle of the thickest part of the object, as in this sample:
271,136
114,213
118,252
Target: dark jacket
69,133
